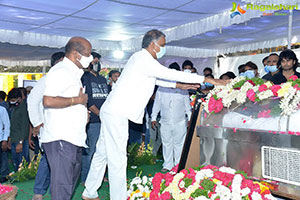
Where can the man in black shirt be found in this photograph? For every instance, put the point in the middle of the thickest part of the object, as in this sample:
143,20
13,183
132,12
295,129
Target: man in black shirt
97,90
288,63
271,66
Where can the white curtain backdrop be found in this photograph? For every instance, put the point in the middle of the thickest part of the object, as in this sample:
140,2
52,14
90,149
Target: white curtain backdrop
54,41
32,63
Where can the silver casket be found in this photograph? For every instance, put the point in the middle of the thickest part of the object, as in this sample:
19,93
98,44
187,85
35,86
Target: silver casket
265,147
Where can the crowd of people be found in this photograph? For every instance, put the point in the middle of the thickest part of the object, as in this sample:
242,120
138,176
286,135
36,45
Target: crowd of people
82,123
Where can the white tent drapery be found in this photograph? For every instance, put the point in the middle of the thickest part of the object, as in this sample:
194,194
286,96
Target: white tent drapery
192,27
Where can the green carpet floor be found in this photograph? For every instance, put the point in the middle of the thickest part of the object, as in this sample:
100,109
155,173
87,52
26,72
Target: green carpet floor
25,191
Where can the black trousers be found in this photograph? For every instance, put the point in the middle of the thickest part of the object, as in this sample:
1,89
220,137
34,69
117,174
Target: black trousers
64,160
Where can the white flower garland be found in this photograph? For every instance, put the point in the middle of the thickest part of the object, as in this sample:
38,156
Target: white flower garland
290,96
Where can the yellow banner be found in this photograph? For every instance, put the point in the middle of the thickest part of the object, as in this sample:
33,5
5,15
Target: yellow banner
11,80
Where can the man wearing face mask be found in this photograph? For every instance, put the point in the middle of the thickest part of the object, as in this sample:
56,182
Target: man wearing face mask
271,66
288,63
250,70
127,101
36,116
65,117
97,91
19,127
187,66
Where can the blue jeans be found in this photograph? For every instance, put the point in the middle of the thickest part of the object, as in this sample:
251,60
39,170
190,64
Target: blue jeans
134,137
3,163
93,132
147,138
42,179
17,157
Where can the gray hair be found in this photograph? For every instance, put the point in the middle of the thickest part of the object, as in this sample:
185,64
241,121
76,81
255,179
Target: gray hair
152,35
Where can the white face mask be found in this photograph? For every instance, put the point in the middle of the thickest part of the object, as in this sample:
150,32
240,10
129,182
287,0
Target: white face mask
85,61
161,52
187,70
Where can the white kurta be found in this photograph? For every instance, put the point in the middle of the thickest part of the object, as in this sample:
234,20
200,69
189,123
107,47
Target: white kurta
35,105
127,100
4,124
175,109
68,124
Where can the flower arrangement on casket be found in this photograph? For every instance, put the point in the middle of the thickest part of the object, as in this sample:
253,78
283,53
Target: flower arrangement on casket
198,183
255,90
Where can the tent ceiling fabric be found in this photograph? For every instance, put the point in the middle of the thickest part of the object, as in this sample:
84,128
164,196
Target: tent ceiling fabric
194,28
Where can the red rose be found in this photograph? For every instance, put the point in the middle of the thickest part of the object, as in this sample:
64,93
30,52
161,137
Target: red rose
252,83
275,88
262,88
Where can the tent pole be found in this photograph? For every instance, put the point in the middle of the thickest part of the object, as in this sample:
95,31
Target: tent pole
290,29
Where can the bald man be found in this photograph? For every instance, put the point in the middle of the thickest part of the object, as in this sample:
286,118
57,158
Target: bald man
66,117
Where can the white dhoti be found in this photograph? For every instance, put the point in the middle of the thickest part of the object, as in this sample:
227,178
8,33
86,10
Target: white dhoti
173,137
111,151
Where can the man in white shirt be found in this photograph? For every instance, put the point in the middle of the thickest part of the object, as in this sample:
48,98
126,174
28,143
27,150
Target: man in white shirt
65,115
36,115
127,101
175,110
4,134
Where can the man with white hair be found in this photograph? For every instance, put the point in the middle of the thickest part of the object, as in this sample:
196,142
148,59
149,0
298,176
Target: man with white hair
127,101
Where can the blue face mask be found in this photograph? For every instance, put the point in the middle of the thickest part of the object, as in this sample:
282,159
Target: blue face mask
161,52
272,68
208,85
248,74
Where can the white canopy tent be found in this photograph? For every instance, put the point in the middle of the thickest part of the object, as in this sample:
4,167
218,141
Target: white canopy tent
31,30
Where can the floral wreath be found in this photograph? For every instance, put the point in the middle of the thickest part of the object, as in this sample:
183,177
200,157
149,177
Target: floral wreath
241,89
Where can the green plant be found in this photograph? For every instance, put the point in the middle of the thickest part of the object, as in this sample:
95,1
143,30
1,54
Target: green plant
138,155
26,170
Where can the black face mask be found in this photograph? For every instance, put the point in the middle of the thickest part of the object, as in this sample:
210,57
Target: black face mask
97,67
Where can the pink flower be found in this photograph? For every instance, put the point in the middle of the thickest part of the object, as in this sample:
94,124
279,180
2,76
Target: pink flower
154,195
192,175
165,196
297,87
275,89
226,178
5,189
293,77
251,95
215,105
175,168
262,88
168,178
